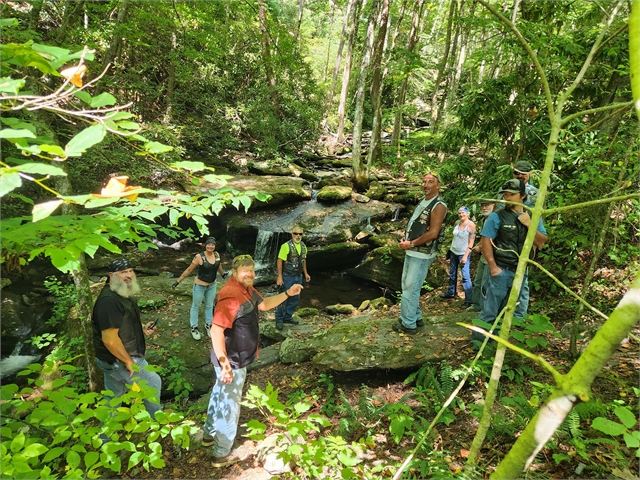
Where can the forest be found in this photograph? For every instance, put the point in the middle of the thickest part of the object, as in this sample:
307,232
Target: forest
117,116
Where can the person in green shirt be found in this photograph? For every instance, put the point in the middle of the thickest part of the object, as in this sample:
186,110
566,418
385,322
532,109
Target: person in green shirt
291,264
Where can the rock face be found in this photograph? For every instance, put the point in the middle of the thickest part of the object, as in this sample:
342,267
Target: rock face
360,343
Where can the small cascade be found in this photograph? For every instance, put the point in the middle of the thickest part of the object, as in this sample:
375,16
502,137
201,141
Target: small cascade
266,252
396,214
16,362
369,227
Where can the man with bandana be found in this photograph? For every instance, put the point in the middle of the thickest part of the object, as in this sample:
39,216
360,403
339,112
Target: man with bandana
118,335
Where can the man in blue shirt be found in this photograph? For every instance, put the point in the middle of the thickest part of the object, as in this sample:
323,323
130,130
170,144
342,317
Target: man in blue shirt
503,234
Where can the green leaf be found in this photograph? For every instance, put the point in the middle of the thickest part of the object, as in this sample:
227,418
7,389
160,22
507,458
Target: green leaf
90,459
53,150
34,450
102,100
626,416
41,169
43,210
607,426
16,133
73,459
54,419
84,140
632,440
190,166
55,452
9,180
157,147
9,85
127,125
84,96
61,436
8,22
135,459
119,116
17,443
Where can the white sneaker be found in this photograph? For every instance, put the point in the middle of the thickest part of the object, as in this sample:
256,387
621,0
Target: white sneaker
207,326
195,333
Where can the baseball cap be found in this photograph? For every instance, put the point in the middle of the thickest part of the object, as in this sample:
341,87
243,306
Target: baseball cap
513,186
523,166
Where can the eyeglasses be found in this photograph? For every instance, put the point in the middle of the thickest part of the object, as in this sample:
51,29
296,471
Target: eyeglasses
297,233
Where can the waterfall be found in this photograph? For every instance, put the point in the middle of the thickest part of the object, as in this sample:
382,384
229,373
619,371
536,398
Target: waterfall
266,252
396,214
16,362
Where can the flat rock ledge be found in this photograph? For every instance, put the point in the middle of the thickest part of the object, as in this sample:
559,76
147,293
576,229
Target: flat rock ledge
364,343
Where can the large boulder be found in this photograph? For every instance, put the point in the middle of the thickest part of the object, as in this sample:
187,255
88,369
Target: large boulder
363,343
335,256
334,194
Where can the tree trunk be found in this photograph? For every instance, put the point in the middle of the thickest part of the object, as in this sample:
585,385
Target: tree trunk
346,74
360,180
375,149
116,40
402,91
442,67
34,14
72,10
171,81
266,54
396,31
300,14
336,68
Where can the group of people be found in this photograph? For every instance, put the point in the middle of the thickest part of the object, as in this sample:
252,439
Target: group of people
501,240
119,335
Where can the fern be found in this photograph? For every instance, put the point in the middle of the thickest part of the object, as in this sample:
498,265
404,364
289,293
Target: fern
446,381
573,422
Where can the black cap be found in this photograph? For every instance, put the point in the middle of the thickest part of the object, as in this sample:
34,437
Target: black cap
119,264
515,185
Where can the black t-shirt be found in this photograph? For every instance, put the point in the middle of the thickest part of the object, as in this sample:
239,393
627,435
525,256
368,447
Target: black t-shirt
113,311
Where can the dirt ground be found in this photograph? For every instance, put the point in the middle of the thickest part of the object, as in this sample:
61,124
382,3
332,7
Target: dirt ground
388,386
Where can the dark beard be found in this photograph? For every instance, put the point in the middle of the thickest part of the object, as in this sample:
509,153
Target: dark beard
122,289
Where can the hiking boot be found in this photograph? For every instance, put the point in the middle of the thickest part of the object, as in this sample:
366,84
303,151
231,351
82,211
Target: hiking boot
400,328
279,326
291,321
207,440
419,323
195,333
444,296
207,327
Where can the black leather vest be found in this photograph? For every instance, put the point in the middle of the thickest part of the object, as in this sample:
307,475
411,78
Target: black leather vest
420,226
293,263
511,236
207,271
241,340
130,331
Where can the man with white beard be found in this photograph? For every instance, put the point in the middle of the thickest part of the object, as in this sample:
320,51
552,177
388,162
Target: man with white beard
118,335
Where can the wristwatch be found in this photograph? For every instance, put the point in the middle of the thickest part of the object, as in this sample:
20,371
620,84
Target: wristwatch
411,244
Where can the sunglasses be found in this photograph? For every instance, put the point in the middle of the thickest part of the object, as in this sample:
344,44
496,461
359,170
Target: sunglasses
297,233
517,172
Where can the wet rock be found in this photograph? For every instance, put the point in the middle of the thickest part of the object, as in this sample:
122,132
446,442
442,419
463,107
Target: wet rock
339,309
376,191
364,305
307,312
4,282
334,194
358,197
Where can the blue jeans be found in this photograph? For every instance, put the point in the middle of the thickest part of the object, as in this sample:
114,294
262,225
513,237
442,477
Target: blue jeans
523,298
223,412
413,274
497,293
455,261
208,293
286,309
116,376
477,294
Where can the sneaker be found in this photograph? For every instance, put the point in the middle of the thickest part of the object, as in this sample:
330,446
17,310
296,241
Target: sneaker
291,321
444,296
207,440
195,333
207,327
279,326
400,328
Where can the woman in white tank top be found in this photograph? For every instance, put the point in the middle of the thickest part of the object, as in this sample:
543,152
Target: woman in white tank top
464,234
